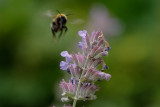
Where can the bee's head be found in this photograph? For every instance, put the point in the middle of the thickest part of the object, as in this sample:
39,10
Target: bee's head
61,18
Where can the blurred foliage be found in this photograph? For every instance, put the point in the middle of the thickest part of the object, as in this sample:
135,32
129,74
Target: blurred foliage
29,57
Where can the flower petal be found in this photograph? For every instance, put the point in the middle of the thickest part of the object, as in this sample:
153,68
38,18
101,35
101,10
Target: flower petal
82,33
64,54
63,65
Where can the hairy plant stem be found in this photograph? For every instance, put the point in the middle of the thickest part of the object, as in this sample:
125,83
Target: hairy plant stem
79,84
77,92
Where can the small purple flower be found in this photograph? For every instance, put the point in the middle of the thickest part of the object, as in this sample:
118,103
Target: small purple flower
107,77
83,44
82,33
80,45
63,65
67,56
104,53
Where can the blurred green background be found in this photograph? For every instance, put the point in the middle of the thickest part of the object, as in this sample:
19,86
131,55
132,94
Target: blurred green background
29,57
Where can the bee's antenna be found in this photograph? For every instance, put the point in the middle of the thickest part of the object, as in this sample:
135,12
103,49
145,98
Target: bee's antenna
68,14
58,11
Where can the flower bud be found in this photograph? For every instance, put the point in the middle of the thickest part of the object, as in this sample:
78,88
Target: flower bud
104,53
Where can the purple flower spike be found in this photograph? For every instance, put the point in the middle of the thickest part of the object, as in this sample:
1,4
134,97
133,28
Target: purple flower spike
85,68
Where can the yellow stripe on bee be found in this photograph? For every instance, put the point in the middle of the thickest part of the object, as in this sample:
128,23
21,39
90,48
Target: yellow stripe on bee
58,15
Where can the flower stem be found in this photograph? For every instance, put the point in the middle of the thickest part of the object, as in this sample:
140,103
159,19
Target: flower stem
77,92
79,84
74,103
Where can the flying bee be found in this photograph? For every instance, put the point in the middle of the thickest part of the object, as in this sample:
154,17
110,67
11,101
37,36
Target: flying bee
59,24
60,20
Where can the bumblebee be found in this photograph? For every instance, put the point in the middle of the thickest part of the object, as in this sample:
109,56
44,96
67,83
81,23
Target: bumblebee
59,24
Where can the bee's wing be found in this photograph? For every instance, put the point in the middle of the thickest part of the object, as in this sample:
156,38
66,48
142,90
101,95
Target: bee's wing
49,13
77,21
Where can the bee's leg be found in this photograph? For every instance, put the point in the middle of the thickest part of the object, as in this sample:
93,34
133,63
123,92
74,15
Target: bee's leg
61,33
53,29
66,29
53,32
